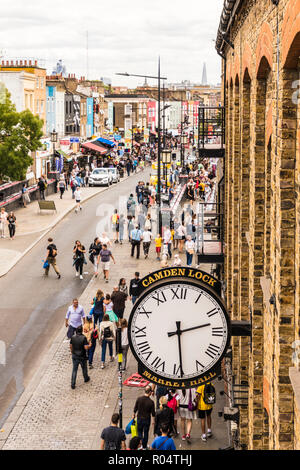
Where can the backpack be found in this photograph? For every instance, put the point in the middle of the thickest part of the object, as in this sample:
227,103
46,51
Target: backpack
209,394
173,404
94,336
53,252
202,187
107,332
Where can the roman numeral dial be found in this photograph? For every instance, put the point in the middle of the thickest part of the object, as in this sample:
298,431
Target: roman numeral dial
178,331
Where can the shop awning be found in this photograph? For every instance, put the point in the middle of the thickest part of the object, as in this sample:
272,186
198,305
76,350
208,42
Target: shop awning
106,142
97,148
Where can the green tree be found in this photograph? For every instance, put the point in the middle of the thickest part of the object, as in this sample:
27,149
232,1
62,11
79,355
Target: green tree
20,134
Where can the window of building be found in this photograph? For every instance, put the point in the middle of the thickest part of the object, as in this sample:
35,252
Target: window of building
42,106
37,106
37,82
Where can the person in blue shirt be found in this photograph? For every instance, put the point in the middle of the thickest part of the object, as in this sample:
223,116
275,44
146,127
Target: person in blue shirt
163,442
136,238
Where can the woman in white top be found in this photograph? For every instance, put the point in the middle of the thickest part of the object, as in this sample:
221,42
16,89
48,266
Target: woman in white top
181,234
107,336
77,195
186,416
125,342
105,240
190,250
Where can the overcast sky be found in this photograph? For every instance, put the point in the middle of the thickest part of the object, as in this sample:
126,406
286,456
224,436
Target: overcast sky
123,36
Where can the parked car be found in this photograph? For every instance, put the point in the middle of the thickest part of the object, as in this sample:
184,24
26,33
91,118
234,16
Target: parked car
115,174
100,177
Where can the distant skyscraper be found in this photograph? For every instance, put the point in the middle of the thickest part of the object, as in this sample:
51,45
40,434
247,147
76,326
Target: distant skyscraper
204,75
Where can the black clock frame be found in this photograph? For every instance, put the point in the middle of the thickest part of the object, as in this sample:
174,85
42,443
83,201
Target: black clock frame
155,377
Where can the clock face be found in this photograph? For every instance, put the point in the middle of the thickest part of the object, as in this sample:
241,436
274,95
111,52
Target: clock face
179,330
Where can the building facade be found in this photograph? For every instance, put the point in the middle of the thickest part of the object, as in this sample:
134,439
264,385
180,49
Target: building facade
260,44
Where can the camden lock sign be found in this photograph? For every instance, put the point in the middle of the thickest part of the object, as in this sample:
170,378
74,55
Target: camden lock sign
179,330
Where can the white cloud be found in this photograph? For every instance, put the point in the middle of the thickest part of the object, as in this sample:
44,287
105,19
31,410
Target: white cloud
123,36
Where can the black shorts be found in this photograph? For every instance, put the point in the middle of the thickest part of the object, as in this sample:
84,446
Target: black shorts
203,413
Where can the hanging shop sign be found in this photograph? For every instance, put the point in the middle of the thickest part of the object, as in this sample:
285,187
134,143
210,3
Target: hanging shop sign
179,330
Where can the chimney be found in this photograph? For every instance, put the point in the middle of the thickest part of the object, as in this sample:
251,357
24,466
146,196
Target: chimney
17,62
11,62
21,62
7,62
25,63
35,63
30,62
3,62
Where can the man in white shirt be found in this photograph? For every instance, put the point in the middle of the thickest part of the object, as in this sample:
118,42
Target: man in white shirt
147,237
3,221
168,240
74,317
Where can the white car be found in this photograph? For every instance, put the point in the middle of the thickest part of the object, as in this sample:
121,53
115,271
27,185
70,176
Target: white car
100,177
115,174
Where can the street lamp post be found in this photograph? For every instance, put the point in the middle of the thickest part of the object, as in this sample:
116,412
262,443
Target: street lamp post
166,160
158,78
53,136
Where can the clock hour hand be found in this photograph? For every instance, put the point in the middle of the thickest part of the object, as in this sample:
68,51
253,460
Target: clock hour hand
178,333
173,333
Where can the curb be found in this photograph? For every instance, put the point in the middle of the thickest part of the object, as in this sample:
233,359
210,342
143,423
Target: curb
57,221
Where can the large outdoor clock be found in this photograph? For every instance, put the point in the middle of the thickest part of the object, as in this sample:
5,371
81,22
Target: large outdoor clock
179,331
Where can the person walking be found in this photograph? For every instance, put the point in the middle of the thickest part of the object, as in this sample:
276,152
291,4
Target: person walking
25,196
148,223
94,252
164,415
167,236
147,238
108,308
136,238
74,317
3,221
131,204
73,185
79,346
204,413
79,258
190,250
112,437
107,336
121,228
115,225
118,299
158,243
186,416
144,409
42,187
134,288
98,310
105,256
90,331
51,258
12,222
61,186
77,195
124,341
123,286
181,234
163,441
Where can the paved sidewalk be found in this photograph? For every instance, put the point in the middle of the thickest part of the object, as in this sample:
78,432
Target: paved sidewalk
50,415
33,225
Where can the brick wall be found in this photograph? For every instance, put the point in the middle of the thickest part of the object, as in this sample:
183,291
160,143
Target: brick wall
263,213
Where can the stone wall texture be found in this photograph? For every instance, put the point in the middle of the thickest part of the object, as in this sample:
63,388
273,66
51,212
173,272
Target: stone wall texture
262,204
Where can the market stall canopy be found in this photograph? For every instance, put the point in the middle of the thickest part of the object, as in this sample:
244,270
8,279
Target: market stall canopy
96,147
106,142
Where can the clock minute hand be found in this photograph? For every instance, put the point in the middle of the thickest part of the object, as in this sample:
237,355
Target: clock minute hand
173,333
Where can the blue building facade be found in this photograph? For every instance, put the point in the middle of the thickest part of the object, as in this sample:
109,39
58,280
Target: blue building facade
50,109
90,117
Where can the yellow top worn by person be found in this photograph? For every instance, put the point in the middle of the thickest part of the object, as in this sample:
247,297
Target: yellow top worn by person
158,242
201,404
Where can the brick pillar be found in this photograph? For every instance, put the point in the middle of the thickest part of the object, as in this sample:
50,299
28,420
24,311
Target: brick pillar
287,292
244,247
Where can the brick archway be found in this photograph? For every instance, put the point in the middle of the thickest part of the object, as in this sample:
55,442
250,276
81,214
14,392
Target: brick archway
291,35
264,51
246,61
